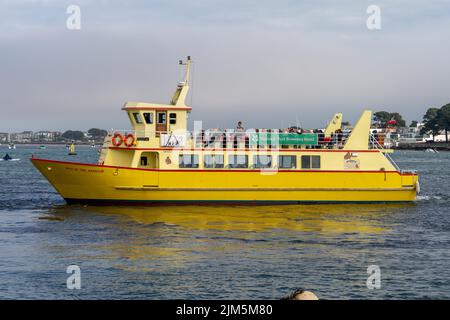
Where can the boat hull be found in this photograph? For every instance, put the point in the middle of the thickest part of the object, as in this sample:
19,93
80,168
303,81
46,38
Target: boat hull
99,184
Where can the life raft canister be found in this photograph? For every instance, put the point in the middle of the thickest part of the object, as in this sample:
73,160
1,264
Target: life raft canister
117,139
130,140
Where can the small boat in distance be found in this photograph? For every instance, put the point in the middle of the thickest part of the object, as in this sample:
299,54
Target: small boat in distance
11,146
7,157
160,161
72,151
42,147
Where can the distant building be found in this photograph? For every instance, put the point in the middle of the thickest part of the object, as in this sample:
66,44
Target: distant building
441,137
30,137
398,135
46,136
3,137
22,137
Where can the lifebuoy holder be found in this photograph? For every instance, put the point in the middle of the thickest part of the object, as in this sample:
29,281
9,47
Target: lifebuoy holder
129,140
117,139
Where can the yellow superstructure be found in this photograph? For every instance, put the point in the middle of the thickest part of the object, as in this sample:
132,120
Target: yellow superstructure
159,160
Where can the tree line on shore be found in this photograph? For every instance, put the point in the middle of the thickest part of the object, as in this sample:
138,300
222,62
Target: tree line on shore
93,133
435,120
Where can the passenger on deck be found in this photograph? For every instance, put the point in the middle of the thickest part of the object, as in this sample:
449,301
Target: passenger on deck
239,135
223,139
376,137
240,127
320,138
339,137
257,139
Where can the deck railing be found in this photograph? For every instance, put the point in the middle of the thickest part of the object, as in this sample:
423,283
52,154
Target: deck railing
374,141
255,139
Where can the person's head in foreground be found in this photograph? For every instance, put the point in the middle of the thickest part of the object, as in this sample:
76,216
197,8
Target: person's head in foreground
301,294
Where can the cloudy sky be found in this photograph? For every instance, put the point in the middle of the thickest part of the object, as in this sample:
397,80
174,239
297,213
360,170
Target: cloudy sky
267,63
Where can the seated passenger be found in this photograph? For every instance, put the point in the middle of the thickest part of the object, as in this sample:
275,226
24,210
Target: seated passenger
240,127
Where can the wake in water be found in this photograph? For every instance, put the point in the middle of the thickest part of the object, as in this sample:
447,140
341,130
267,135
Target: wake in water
426,198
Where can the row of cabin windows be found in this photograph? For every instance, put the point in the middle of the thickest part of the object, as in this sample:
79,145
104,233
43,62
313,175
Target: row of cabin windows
148,118
241,161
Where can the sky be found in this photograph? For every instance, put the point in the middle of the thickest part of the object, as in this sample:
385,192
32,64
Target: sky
267,63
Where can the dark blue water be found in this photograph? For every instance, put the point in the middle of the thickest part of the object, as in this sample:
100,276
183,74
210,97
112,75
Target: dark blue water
228,252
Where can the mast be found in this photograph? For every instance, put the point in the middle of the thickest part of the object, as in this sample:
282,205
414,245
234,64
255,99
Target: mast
180,94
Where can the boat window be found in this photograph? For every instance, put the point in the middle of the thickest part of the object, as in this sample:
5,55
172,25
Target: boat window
172,118
144,161
238,161
148,117
310,162
161,117
214,161
315,162
137,117
306,162
188,161
262,161
287,162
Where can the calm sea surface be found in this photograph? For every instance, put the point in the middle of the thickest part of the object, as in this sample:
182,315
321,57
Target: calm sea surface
221,252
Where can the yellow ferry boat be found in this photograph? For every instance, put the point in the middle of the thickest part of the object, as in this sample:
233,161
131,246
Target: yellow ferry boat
160,161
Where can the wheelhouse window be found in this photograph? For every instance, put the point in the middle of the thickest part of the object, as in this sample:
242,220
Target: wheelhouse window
237,161
287,162
188,161
172,118
137,117
161,117
148,117
214,161
262,161
310,162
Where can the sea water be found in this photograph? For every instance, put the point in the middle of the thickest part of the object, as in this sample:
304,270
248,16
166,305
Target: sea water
220,252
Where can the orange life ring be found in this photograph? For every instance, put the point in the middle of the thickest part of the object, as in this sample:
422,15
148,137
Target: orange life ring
127,141
117,139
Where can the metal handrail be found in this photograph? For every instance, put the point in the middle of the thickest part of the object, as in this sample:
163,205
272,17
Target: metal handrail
378,146
211,136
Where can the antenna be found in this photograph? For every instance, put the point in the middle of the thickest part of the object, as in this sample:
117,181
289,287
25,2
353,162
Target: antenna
186,63
180,94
